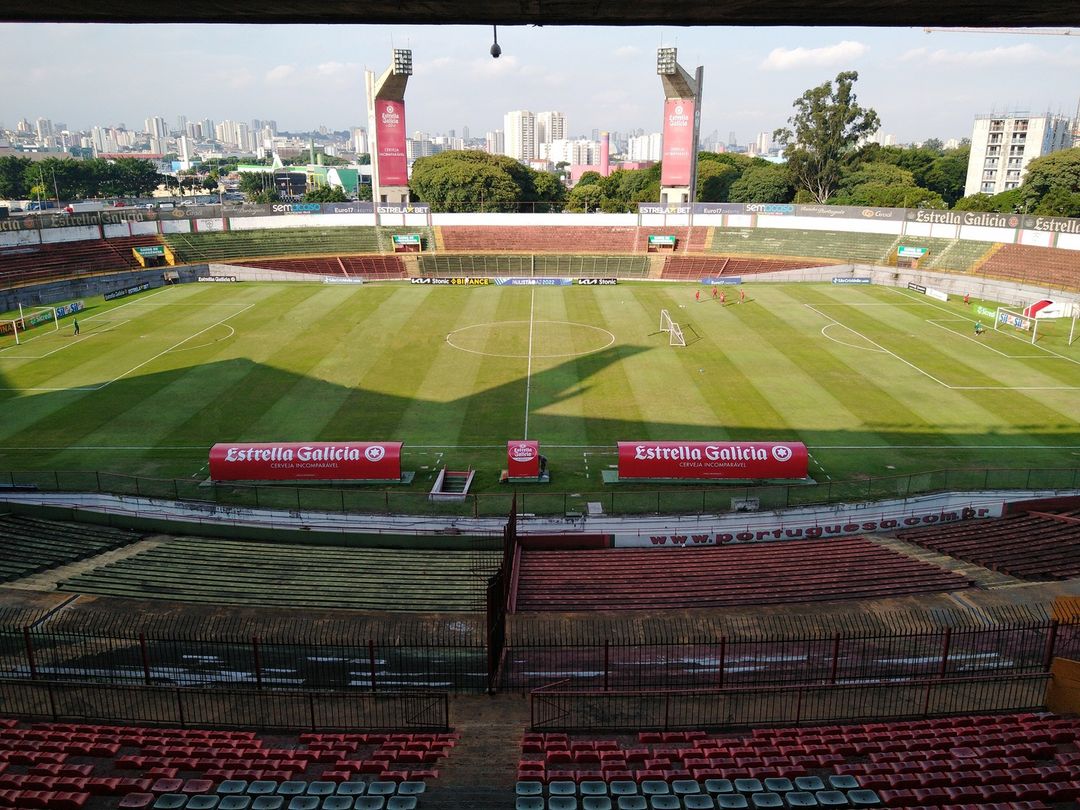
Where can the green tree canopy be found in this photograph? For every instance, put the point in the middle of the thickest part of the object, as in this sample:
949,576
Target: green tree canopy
1059,203
585,198
1007,202
1056,172
763,182
13,174
824,133
471,180
326,194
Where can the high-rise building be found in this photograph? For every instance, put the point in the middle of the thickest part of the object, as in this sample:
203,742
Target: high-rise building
494,142
764,143
359,140
156,127
1002,145
519,135
465,134
645,147
550,127
208,129
44,129
181,125
579,152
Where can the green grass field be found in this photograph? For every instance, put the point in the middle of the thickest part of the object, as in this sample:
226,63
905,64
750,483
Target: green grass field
874,380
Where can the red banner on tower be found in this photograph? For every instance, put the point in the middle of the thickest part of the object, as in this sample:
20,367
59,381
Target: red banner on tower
390,142
712,460
304,461
678,142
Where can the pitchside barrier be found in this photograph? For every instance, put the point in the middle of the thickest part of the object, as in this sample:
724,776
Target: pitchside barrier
644,499
473,654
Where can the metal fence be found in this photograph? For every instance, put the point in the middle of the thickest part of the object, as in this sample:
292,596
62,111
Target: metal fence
624,500
758,706
226,708
830,659
464,654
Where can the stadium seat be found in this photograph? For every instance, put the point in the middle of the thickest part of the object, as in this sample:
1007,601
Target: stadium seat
137,801
809,783
234,803
633,803
401,803
562,787
562,803
623,787
529,803
261,787
863,798
170,801
731,801
668,802
378,788
411,788
843,782
369,803
699,801
327,788
201,803
593,788
293,788
232,787
778,785
766,800
748,786
351,788
337,802
304,803
683,787
799,798
268,803
596,803
832,798
714,786
655,787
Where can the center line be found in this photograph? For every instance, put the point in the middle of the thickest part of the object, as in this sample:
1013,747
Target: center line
528,372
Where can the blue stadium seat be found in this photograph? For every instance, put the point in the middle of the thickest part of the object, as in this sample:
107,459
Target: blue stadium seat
377,788
655,787
294,788
170,801
700,801
665,803
748,785
858,798
719,786
562,787
529,789
799,798
766,800
809,783
327,788
268,803
832,798
369,803
684,787
562,803
304,803
596,803
234,803
633,803
593,787
529,803
201,803
401,803
623,787
778,785
232,787
843,782
351,788
731,801
411,788
337,802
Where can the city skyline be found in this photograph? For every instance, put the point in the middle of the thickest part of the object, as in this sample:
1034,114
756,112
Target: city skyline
603,79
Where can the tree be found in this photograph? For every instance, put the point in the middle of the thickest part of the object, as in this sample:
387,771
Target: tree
1058,171
1007,202
1059,203
763,182
13,185
588,178
469,180
585,198
326,194
824,133
934,145
948,174
714,180
255,183
265,197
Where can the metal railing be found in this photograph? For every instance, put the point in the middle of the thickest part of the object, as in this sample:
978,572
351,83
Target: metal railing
552,709
225,708
627,499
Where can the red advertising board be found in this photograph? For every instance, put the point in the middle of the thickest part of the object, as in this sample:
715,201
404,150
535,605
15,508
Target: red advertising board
523,459
306,461
712,460
390,142
678,142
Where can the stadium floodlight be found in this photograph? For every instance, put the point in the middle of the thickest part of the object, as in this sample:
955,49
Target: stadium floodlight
666,61
402,62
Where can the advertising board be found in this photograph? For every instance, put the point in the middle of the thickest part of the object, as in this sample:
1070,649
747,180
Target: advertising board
300,461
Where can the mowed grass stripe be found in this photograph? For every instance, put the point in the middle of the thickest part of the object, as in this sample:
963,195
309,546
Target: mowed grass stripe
105,410
903,331
496,409
437,411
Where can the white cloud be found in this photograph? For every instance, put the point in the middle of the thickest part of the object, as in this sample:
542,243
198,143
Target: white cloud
1023,54
791,58
280,73
627,51
331,68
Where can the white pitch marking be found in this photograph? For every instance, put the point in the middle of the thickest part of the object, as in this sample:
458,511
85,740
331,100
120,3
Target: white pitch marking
938,323
180,343
528,372
828,326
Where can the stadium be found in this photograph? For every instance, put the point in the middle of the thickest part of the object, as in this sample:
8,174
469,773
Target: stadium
707,505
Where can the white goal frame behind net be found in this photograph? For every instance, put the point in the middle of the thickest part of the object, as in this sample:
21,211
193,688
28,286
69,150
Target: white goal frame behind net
14,327
675,333
1018,320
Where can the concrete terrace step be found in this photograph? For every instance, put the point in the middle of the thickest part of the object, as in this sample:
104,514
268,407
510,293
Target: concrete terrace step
983,577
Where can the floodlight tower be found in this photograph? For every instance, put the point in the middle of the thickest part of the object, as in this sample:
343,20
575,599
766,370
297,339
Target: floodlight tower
386,128
682,119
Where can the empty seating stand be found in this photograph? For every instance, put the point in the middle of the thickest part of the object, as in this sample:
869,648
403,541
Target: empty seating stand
839,246
24,264
369,268
1032,545
692,268
1007,761
34,544
64,766
1049,267
718,576
564,238
296,575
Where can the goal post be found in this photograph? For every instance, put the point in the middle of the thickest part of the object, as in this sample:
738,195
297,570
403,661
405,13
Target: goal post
1007,319
11,325
676,335
40,315
665,321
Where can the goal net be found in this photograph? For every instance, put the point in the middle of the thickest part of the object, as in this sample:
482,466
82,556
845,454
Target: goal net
1008,320
665,321
676,336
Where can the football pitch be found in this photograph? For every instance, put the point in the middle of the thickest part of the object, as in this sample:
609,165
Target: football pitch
876,381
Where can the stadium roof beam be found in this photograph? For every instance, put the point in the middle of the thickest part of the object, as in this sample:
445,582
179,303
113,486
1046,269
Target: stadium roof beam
917,13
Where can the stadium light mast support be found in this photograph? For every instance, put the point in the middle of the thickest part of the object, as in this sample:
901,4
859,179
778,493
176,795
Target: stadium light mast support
682,122
386,127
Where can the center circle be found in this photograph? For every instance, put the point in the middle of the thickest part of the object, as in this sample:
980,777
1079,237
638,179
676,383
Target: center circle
548,339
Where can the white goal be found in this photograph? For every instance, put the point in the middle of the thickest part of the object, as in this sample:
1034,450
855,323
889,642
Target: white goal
675,333
1010,319
12,325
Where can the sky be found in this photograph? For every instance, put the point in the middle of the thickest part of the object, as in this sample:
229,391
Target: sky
921,84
